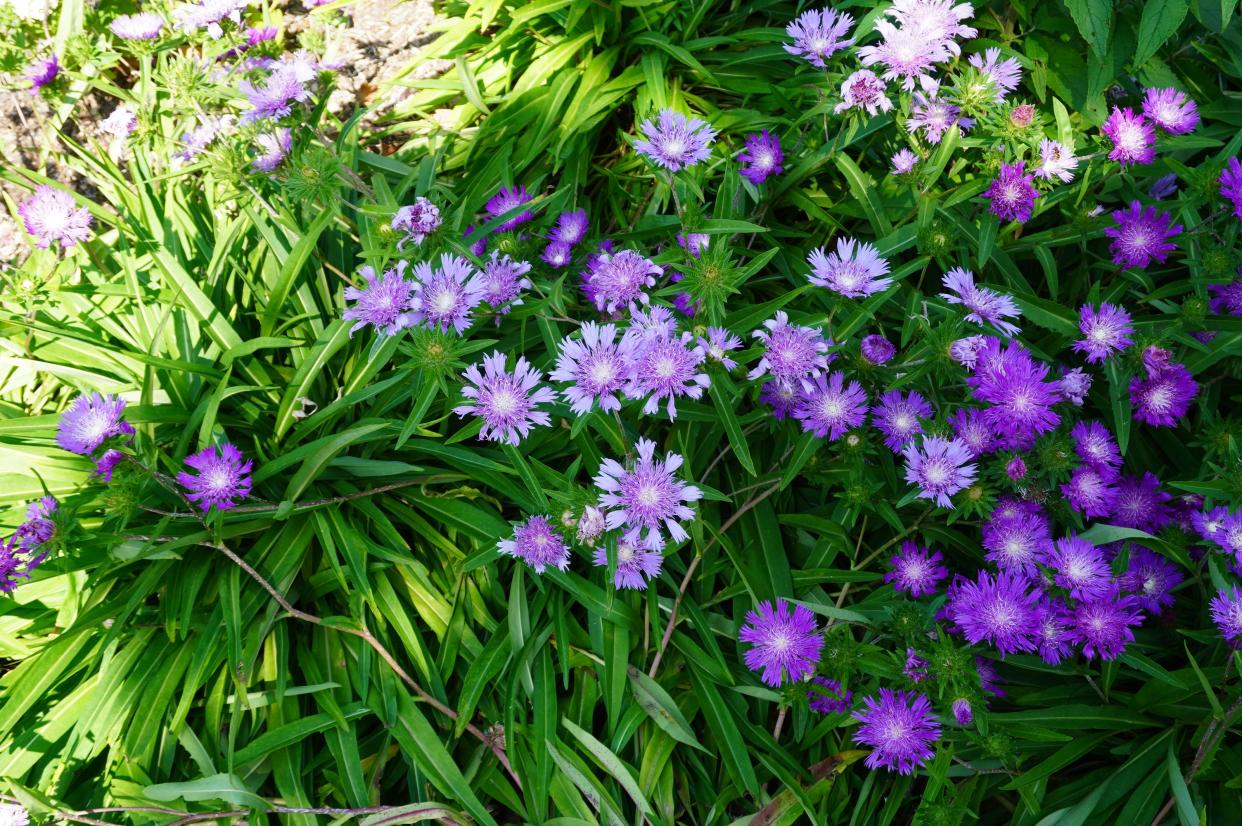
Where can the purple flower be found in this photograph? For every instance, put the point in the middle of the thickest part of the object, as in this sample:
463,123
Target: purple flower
1015,469
1095,445
934,116
1209,524
52,216
538,544
1164,397
657,323
556,254
963,715
571,227
965,351
1102,625
275,146
1133,137
970,425
900,728
694,242
1164,186
1021,397
446,294
897,417
1226,611
1105,331
1231,185
1141,503
598,365
934,20
785,644
1171,110
386,302
477,245
1075,385
877,349
916,571
1017,542
1013,193
1151,578
1092,490
827,697
718,344
907,54
207,14
986,306
619,281
1005,75
506,402
202,136
1140,236
790,352
1054,630
903,161
505,201
667,368
590,525
417,221
275,98
675,141
762,156
1080,568
864,90
855,270
818,35
781,396
223,477
502,281
42,72
646,496
37,530
940,468
106,464
635,565
90,421
828,407
1055,161
1001,610
143,26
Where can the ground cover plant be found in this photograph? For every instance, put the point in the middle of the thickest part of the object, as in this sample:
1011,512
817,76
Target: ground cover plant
646,412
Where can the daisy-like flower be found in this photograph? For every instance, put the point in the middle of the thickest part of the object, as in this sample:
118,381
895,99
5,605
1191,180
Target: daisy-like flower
900,728
907,54
762,157
1055,161
1105,331
598,365
38,529
506,200
1012,194
203,135
864,90
877,349
1151,578
897,417
1092,490
718,344
209,14
1054,630
1080,568
986,306
941,20
818,35
782,397
854,270
1102,626
826,696
1000,610
790,352
223,477
903,161
1095,445
965,351
275,98
386,302
446,294
915,667
1141,236
1141,503
1017,542
970,425
274,147
12,814
502,280
651,325
939,467
636,565
556,254
143,26
1015,469
934,116
828,407
417,221
506,402
646,497
42,72
1226,611
1171,110
667,368
1163,398
571,228
916,571
785,644
1021,397
1133,137
1231,186
106,464
1005,74
1210,524
52,216
90,421
538,544
674,141
619,281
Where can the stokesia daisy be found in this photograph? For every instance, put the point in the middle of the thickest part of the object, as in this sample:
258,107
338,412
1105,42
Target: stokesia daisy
1102,625
818,34
646,496
897,417
916,571
667,368
41,72
1080,567
785,644
1231,188
90,421
970,425
718,344
417,221
790,352
986,306
620,281
502,280
900,728
781,396
1141,503
854,270
1151,578
143,26
1055,161
1105,331
1171,110
1019,394
1017,542
538,544
675,141
1141,236
826,696
903,161
939,467
52,216
505,201
1092,490
223,477
557,254
1005,75
505,402
275,98
11,814
446,294
906,54
274,147
877,349
1226,611
598,365
934,116
1075,385
1095,445
386,302
1163,398
762,157
864,90
1012,194
635,565
1133,137
1054,627
571,227
827,407
1001,610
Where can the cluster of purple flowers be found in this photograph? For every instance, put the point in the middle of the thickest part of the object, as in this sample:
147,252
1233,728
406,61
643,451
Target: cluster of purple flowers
22,552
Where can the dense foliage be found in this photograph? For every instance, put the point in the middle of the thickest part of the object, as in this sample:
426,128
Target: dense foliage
674,412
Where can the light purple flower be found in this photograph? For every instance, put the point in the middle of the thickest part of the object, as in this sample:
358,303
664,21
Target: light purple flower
556,254
667,368
446,294
52,216
646,496
675,141
571,227
907,54
864,90
818,34
854,270
507,199
785,644
1105,331
790,352
1000,610
275,146
1102,625
1226,611
417,221
1141,236
1171,110
1012,194
223,477
538,544
718,344
897,417
506,402
598,365
916,571
826,696
90,421
970,425
935,20
934,116
120,123
965,351
1080,568
1074,386
903,161
619,281
142,26
635,565
275,98
1092,490
208,14
986,306
502,280
939,467
1005,74
590,525
762,157
900,728
877,349
386,302
827,407
1055,161
1133,137
963,715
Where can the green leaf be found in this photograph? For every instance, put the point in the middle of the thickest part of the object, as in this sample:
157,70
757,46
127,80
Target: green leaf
1095,21
226,787
662,708
1159,22
733,429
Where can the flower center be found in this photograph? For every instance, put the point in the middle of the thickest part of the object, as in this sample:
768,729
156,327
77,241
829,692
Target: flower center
648,495
504,402
217,479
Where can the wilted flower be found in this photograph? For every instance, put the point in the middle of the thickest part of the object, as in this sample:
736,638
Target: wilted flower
864,90
506,402
939,467
900,728
818,35
1171,110
675,141
538,544
1074,386
52,216
854,270
386,302
762,157
646,496
590,525
223,477
785,644
417,221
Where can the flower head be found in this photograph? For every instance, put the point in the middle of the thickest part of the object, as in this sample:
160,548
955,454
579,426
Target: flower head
619,281
908,54
897,417
1056,160
90,421
446,294
854,270
1095,445
598,365
538,544
1141,503
556,254
970,425
1141,236
386,302
41,72
1105,331
1001,610
11,814
785,644
762,157
417,221
120,123
1005,75
940,467
507,199
506,402
636,565
1021,397
1151,578
790,352
1012,193
106,464
675,141
52,216
934,115
275,146
1134,139
1080,567
223,477
818,35
900,728
1017,540
667,368
1171,110
1226,611
986,306
646,497
828,407
864,90
285,86
143,26
1231,188
781,396
1163,398
571,227
903,161
718,344
916,571
208,14
1102,625
1092,490
502,280
963,714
